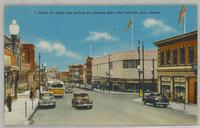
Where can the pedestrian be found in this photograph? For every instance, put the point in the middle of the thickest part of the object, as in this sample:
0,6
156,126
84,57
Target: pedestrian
9,102
31,93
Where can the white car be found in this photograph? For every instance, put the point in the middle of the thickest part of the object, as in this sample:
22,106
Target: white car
47,99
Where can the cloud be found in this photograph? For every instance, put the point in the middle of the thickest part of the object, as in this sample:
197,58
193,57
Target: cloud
57,48
97,36
157,26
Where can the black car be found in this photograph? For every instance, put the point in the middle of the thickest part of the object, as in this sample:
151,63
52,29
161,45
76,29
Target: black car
156,99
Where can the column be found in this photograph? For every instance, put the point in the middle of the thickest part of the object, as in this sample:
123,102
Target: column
186,89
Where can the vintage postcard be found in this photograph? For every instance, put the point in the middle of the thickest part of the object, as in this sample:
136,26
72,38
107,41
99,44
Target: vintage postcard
100,65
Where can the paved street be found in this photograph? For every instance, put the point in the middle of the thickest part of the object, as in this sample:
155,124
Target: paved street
110,109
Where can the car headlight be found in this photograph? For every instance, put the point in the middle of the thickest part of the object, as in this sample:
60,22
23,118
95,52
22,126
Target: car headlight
156,98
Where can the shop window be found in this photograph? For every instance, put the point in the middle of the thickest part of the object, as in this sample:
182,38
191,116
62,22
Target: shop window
191,55
182,56
175,56
168,57
162,58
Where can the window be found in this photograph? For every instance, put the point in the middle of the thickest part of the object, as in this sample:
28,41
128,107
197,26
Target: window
168,57
175,56
162,58
130,63
182,56
191,55
110,65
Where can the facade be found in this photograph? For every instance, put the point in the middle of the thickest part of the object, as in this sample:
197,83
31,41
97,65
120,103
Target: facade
52,73
66,77
87,71
76,71
177,67
11,66
28,66
120,69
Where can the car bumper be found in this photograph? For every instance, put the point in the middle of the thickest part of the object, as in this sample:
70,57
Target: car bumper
46,104
162,103
83,105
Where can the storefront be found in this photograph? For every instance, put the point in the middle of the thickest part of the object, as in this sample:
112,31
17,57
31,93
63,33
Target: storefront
166,86
179,89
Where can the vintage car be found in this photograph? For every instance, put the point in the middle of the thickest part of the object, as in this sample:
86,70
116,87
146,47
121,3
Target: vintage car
68,89
46,99
156,99
82,100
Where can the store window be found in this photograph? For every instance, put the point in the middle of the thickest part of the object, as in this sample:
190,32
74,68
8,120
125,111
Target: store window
175,56
191,55
162,58
182,56
168,57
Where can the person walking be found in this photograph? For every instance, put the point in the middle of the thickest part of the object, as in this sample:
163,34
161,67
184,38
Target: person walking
9,102
31,93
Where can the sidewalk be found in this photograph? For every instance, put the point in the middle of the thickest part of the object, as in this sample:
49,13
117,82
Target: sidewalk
189,108
17,116
116,92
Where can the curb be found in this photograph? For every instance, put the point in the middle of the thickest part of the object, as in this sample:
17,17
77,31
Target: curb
117,93
26,121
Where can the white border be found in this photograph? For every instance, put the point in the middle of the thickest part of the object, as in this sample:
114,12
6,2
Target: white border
84,2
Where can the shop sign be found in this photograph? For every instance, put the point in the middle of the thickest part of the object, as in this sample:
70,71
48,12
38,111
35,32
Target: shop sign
166,83
179,79
166,79
7,60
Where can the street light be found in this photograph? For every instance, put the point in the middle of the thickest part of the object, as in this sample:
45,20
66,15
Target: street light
139,72
153,75
14,31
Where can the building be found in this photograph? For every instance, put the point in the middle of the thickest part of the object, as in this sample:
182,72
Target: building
28,66
77,72
52,73
87,71
120,69
66,77
11,66
177,67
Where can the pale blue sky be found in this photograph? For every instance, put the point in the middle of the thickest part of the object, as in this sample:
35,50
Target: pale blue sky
63,39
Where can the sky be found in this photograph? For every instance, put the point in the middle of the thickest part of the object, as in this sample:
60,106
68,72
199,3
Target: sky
63,34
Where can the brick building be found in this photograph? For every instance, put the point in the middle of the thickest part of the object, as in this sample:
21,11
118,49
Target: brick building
87,75
77,72
177,67
66,77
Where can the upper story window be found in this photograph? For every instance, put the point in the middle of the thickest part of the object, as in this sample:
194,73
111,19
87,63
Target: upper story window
130,63
168,57
191,55
175,56
162,58
182,56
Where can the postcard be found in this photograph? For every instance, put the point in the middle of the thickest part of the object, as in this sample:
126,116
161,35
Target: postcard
100,65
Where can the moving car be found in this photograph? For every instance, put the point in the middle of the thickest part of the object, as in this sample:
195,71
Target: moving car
156,99
47,99
82,100
68,89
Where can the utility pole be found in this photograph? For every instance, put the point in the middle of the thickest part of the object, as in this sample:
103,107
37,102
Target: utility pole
138,67
109,73
143,70
153,73
39,73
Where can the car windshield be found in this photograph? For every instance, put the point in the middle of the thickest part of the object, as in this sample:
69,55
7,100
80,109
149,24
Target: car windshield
46,95
81,95
154,94
57,85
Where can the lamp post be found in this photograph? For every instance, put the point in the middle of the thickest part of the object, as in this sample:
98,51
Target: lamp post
14,31
143,70
44,74
138,67
39,56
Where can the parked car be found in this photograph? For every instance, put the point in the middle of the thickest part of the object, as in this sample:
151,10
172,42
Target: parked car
156,99
82,100
47,99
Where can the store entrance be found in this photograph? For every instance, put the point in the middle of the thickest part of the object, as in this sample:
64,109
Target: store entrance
179,94
166,90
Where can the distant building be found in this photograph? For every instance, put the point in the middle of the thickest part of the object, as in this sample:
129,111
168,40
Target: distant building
77,72
52,73
87,71
177,67
124,75
66,77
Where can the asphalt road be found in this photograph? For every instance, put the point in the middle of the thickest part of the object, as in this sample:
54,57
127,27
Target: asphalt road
110,109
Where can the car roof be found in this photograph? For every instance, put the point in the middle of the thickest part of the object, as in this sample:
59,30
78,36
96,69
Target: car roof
80,93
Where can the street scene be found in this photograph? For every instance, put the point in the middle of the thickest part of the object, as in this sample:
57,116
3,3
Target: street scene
100,65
